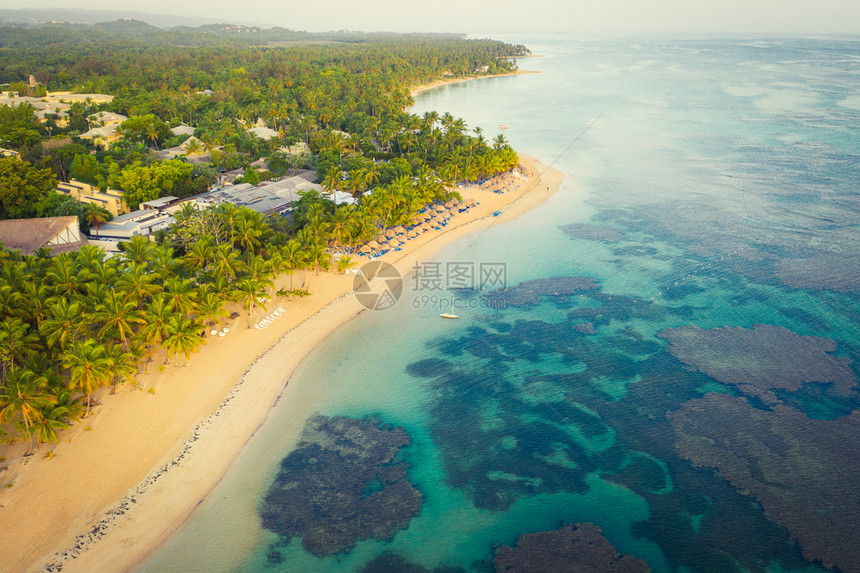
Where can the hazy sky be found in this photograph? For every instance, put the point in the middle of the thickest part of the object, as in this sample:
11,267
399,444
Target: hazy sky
790,16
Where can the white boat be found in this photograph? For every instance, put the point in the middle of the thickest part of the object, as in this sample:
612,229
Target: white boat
448,315
502,126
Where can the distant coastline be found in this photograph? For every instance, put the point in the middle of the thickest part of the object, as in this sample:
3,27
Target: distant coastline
418,90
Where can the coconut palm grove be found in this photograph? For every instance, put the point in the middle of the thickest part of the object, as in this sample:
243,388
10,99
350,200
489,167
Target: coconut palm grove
76,322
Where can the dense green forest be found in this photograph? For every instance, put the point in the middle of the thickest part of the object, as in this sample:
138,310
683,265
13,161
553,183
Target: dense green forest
77,322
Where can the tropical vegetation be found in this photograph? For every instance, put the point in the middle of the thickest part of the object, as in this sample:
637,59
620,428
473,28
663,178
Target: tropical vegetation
78,322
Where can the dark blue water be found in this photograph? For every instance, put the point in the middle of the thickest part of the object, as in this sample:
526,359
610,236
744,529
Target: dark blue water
674,359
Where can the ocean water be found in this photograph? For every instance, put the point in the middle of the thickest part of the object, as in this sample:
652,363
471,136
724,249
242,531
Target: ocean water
693,397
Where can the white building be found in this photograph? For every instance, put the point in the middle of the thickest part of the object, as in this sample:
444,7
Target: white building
142,222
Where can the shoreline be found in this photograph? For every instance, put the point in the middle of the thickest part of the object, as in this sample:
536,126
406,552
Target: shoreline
115,510
418,90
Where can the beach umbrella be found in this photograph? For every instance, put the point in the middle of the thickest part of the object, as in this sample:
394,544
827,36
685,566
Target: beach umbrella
424,227
412,233
399,229
381,239
396,242
364,249
439,208
373,244
390,233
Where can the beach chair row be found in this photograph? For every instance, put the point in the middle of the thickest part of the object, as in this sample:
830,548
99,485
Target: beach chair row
270,318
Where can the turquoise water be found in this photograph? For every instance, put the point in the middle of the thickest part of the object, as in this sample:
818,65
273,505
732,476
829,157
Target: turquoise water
711,183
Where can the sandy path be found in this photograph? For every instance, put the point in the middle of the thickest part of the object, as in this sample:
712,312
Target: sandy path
120,483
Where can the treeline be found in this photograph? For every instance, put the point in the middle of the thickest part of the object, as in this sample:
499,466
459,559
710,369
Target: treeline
346,101
76,322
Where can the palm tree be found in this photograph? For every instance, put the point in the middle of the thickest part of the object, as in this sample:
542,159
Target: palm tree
210,308
95,215
23,396
10,299
158,314
181,293
118,316
192,146
345,263
124,365
340,223
13,274
63,324
89,367
102,272
15,342
138,284
64,275
71,403
333,181
319,258
138,249
294,257
249,230
35,297
162,261
357,182
182,337
227,262
200,255
252,292
48,424
229,213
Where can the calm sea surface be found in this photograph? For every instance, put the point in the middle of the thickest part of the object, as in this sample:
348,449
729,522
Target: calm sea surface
675,357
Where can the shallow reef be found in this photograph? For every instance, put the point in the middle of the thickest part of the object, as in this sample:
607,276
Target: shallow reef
593,232
581,548
343,482
761,359
828,272
802,471
530,293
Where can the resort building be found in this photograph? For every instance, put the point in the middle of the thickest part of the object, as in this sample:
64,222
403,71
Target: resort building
59,234
290,187
103,118
143,222
264,133
250,196
268,198
182,130
162,205
103,136
104,128
69,97
112,199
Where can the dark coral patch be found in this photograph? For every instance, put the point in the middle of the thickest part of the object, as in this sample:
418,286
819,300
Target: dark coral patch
342,483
